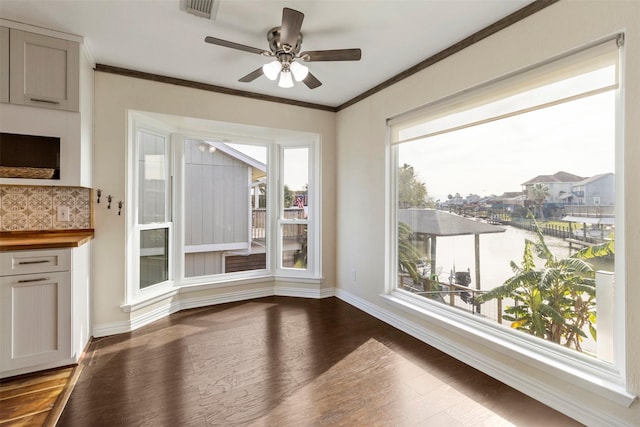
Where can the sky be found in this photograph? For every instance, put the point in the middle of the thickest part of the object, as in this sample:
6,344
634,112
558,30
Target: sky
296,163
576,137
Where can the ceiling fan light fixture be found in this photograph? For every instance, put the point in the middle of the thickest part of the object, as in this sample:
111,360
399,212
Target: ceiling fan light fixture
284,46
285,79
299,71
271,69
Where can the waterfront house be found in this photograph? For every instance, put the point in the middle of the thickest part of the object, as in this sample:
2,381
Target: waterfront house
598,190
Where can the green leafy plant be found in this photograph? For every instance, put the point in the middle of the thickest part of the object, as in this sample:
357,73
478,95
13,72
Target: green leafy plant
408,254
555,302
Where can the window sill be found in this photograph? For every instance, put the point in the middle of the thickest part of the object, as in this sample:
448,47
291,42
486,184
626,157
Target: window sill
206,283
152,296
578,369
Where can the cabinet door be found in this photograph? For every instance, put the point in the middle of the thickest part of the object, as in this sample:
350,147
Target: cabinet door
35,314
4,64
44,71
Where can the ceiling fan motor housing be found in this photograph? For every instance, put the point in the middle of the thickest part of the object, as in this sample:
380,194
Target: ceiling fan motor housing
273,36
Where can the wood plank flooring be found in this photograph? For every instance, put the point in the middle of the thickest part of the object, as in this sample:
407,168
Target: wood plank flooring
282,361
36,399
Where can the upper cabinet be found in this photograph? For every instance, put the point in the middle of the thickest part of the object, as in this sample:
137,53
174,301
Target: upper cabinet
39,70
4,64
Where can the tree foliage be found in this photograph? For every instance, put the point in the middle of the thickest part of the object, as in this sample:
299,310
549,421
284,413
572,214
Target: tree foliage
412,193
538,192
555,302
408,254
288,197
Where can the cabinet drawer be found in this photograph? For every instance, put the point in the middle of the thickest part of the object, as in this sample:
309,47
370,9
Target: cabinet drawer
29,262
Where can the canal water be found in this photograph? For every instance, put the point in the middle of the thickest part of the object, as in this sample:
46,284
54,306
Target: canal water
497,250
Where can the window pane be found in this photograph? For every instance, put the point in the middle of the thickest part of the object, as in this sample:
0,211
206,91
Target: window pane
154,256
225,207
152,178
296,180
294,246
470,203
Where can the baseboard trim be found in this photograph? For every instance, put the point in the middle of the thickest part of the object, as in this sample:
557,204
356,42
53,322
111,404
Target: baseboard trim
184,302
582,410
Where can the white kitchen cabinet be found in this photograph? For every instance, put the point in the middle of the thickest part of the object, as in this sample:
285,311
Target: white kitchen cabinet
4,64
43,71
35,310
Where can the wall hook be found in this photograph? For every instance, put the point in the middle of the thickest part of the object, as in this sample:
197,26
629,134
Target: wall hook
109,198
120,203
99,192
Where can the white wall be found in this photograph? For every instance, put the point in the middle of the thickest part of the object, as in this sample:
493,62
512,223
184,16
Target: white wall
115,95
361,156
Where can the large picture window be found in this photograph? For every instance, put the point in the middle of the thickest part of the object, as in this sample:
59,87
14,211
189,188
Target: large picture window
505,206
225,207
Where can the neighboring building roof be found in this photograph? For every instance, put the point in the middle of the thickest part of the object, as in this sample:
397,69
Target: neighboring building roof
259,169
556,177
593,178
511,194
440,223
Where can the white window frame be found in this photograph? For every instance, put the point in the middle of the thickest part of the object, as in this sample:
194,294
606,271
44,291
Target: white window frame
311,221
605,379
275,146
133,291
179,206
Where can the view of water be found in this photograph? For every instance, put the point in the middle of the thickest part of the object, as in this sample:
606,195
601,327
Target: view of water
496,252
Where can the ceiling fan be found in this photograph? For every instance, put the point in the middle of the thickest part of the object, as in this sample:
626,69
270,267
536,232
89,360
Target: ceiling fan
284,45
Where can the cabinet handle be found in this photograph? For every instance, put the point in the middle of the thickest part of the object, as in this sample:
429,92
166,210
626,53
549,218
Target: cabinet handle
40,261
48,101
42,279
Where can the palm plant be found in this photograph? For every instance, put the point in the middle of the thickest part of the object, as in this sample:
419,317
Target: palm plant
555,302
538,192
408,253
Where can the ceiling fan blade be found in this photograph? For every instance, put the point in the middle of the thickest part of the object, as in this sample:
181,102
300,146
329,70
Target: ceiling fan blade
238,46
332,55
251,76
291,25
311,81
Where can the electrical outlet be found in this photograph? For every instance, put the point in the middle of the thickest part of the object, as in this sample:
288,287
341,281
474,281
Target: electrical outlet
64,214
353,274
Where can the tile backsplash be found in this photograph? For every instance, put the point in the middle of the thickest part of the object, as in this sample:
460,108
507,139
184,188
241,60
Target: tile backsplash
30,208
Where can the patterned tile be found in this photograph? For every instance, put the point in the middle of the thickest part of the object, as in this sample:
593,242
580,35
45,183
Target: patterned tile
14,202
40,202
14,221
40,221
24,208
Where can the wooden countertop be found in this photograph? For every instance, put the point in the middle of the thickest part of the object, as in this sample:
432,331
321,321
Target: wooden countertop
23,240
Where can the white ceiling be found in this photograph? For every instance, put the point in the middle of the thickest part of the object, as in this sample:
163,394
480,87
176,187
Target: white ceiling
155,36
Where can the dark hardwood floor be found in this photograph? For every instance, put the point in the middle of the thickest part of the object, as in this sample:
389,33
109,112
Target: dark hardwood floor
286,362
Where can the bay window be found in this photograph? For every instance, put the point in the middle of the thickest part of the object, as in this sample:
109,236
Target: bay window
219,205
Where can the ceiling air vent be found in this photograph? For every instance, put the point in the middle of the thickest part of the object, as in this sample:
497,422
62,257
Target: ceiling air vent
202,8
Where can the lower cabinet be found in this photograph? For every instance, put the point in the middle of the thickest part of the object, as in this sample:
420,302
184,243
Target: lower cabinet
35,310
